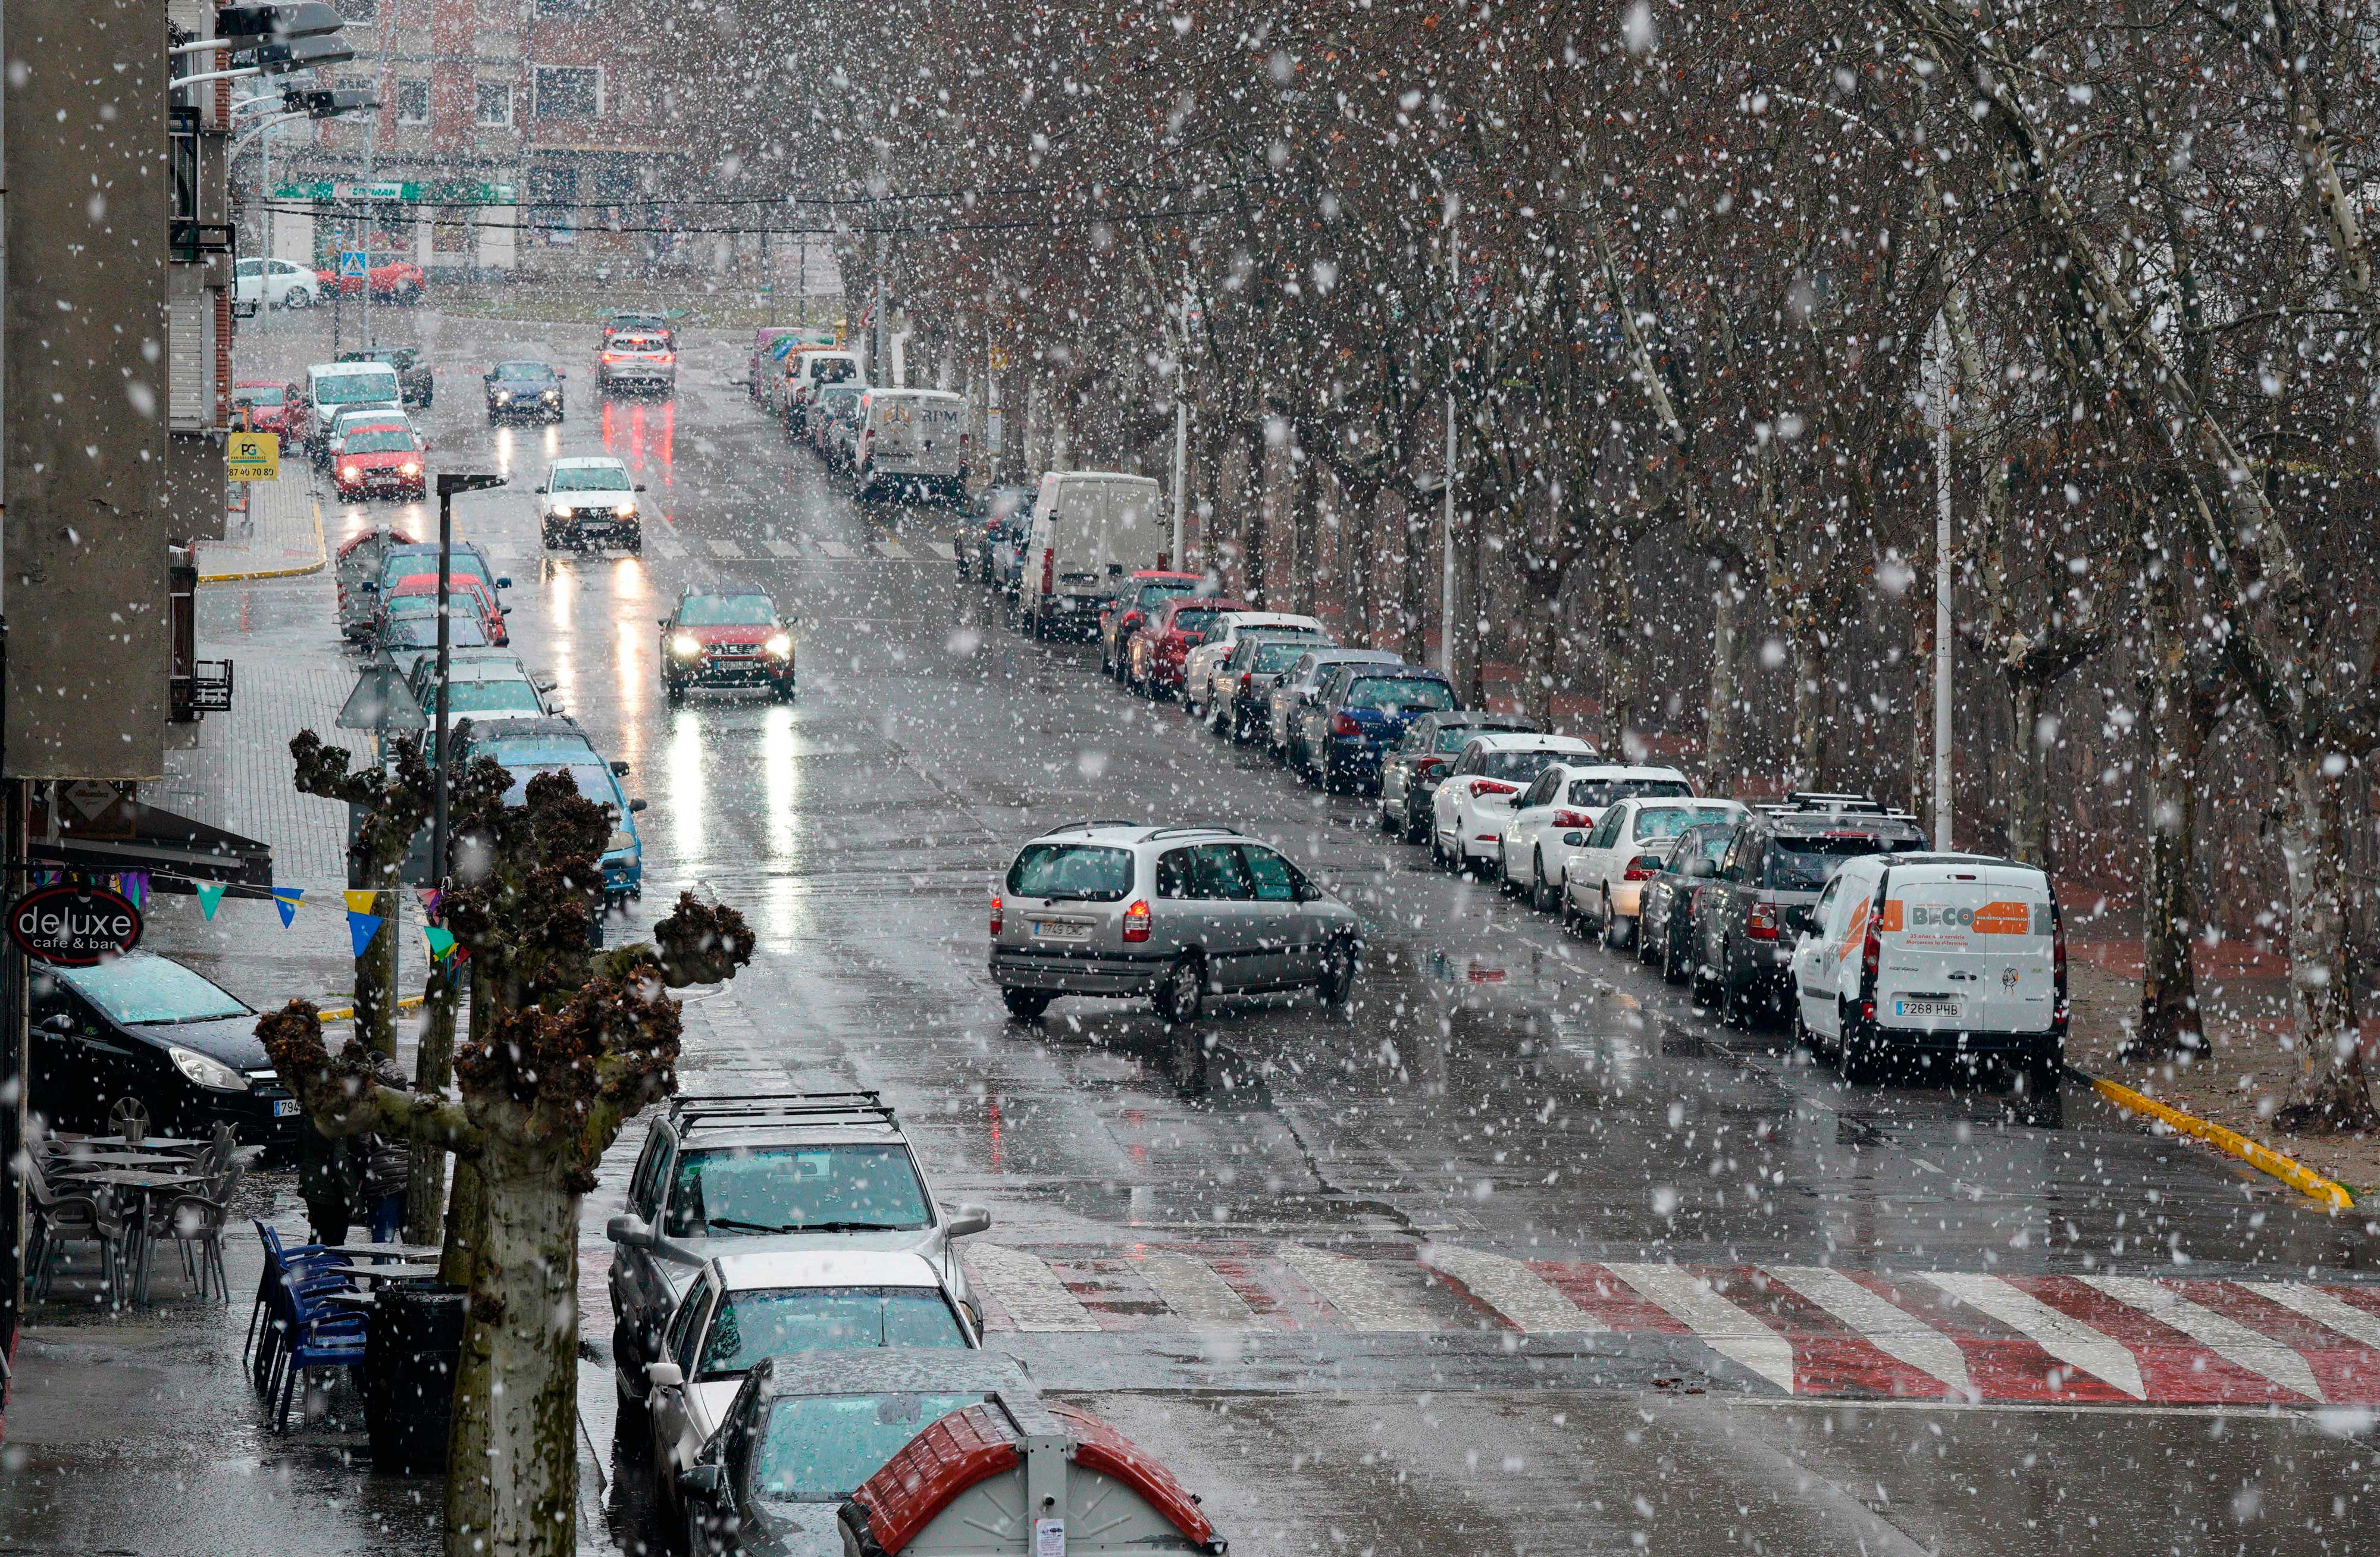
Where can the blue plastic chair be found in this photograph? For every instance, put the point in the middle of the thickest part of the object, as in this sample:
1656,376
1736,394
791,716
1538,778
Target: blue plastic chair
286,1269
317,1337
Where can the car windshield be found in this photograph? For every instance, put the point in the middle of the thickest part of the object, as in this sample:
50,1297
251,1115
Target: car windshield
589,478
1085,873
1664,821
593,782
535,751
1514,766
767,1323
852,1187
1400,694
1808,864
347,389
1194,621
142,989
1154,595
488,697
1274,656
835,399
523,372
421,631
256,395
1596,794
638,342
820,1449
834,369
410,563
375,440
727,611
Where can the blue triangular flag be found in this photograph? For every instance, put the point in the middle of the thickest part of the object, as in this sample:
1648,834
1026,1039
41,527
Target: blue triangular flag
361,927
287,900
210,896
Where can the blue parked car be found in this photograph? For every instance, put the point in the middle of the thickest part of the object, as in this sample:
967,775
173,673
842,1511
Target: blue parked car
1359,714
530,747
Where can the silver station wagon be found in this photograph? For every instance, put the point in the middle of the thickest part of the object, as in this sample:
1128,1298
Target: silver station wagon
1118,908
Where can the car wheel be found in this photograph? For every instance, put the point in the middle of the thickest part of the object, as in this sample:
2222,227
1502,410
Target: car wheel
1414,830
632,1432
1734,1006
1025,1005
127,1116
1673,958
297,296
1342,960
1615,934
1569,911
783,692
1541,894
672,694
1183,996
1857,1055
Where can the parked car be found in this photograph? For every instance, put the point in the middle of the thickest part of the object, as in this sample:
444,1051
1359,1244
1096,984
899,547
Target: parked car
483,684
350,418
1940,959
332,387
262,407
1602,883
1474,799
523,390
1359,712
1665,904
275,283
1409,776
373,564
1200,666
912,447
588,500
1176,913
722,638
141,1041
766,1172
986,516
417,595
806,1430
762,364
838,404
392,279
742,1308
1090,527
1244,684
635,361
415,383
1295,690
527,748
380,459
1551,817
1760,902
1165,642
1137,598
812,371
412,637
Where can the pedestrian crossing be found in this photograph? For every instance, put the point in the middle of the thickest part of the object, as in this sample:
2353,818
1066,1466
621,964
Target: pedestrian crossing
1816,1331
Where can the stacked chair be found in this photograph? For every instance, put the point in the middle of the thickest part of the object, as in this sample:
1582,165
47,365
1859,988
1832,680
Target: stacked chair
290,1329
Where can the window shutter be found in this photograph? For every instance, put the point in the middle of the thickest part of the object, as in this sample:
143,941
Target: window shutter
191,383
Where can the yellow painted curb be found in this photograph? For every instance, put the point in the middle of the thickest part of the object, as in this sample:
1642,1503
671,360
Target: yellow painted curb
2297,1175
321,555
343,1013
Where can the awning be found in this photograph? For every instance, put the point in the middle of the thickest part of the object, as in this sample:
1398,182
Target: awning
177,851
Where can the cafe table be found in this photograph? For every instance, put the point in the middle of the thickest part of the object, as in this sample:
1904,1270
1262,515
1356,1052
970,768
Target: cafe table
163,1143
138,1185
66,1164
384,1251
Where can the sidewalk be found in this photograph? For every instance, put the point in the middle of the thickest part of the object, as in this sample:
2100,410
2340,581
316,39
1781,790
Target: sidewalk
280,535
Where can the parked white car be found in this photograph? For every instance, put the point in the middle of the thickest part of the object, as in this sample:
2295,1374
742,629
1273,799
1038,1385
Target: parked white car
1948,959
1552,817
1602,883
1470,809
275,284
1208,657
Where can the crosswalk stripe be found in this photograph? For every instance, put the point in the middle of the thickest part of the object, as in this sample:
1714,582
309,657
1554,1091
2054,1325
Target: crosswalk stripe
1356,1289
2356,1324
1890,1329
781,548
2062,1335
666,543
727,549
943,549
835,549
2225,1337
1717,1323
889,549
1036,1299
1190,1289
1510,1288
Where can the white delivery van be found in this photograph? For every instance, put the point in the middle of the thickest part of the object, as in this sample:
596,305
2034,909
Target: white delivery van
912,444
1942,959
333,387
1091,529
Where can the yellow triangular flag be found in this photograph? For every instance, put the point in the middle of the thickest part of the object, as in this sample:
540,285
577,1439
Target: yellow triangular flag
361,902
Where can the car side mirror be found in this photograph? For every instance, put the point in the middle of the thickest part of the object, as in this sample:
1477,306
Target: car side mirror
368,587
969,1221
504,583
640,486
639,804
562,375
664,1375
62,1024
541,492
621,769
629,1231
703,1483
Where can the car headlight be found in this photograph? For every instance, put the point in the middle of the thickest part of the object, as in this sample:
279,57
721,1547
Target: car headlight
561,510
214,1074
779,645
554,394
622,839
410,467
686,644
350,473
503,396
623,511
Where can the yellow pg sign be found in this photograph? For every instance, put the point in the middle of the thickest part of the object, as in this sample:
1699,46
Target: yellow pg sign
253,457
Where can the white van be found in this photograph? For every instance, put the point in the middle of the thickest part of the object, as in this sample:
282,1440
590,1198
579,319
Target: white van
1091,528
810,372
912,444
333,387
1940,958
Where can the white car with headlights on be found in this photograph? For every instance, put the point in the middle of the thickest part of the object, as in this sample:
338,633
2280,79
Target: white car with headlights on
588,501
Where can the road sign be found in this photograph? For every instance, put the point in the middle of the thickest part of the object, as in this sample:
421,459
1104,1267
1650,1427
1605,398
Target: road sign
70,926
351,262
253,457
996,358
381,702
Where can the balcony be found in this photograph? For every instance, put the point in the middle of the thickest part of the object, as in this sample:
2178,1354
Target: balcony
207,689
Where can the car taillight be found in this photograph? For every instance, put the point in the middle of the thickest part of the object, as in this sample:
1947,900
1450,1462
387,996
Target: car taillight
1345,725
1573,819
1871,961
1136,920
611,357
1641,869
995,914
1247,679
1760,924
1493,786
1049,572
1428,765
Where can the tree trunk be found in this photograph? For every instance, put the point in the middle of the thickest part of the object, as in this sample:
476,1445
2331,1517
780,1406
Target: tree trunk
1616,622
2332,1092
2169,911
375,978
514,1494
1810,708
1718,709
1541,634
2027,787
433,1071
1413,590
1253,526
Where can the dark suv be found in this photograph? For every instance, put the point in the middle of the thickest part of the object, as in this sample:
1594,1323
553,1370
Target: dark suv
1748,916
1409,774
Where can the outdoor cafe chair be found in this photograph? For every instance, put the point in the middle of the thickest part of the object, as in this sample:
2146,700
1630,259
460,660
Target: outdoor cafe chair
318,1336
63,1218
197,1220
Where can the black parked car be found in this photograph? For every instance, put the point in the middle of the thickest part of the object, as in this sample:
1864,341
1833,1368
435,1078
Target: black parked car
141,1040
1665,913
523,392
415,383
1410,773
1780,857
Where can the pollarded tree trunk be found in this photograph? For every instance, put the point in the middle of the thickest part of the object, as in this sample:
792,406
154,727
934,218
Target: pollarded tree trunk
2333,1093
1719,712
2179,714
433,1070
1616,625
1810,707
2026,787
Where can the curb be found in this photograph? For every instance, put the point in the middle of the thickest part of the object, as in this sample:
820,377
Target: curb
346,1013
321,555
2297,1175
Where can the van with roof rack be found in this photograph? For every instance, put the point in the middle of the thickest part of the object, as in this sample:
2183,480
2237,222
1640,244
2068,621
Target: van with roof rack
762,1171
1120,908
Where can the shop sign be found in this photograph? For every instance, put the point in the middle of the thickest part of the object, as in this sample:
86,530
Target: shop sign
73,926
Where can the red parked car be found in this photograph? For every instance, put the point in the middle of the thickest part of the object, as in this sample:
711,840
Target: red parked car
393,280
1163,645
1137,600
264,406
381,459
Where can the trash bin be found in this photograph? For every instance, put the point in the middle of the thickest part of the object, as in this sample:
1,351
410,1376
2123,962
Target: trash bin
409,1357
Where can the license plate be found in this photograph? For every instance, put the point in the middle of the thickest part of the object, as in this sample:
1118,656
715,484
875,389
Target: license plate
1926,1008
285,1108
1051,929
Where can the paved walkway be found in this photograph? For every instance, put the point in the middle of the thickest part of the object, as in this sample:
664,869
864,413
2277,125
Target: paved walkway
279,534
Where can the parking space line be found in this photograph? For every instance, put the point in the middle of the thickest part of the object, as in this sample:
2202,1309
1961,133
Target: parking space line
2225,1337
834,549
1510,1288
1357,1289
1715,1322
943,550
1026,1286
1192,1290
666,543
2062,1335
1891,1330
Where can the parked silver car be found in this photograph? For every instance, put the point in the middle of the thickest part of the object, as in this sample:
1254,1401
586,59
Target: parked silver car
1116,908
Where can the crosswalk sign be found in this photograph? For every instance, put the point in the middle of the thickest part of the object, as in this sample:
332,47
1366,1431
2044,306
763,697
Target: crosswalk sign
253,457
351,261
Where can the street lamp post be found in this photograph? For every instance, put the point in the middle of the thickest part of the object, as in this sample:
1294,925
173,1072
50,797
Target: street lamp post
449,483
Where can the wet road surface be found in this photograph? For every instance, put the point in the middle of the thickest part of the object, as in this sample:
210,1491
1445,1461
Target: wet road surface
1522,1254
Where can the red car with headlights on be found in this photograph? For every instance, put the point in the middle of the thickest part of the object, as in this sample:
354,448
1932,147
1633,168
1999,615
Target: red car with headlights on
381,459
726,638
1163,645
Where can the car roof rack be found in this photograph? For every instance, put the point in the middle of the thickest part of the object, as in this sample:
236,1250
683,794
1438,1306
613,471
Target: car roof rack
809,1108
1087,826
1155,833
1809,802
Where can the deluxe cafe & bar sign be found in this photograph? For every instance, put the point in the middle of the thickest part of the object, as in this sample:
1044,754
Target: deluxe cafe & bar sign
73,926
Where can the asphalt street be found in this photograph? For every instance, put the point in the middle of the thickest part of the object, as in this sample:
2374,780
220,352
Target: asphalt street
1522,1254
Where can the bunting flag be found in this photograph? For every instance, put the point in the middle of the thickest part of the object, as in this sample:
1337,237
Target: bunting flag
286,899
361,927
430,897
442,943
361,902
210,897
